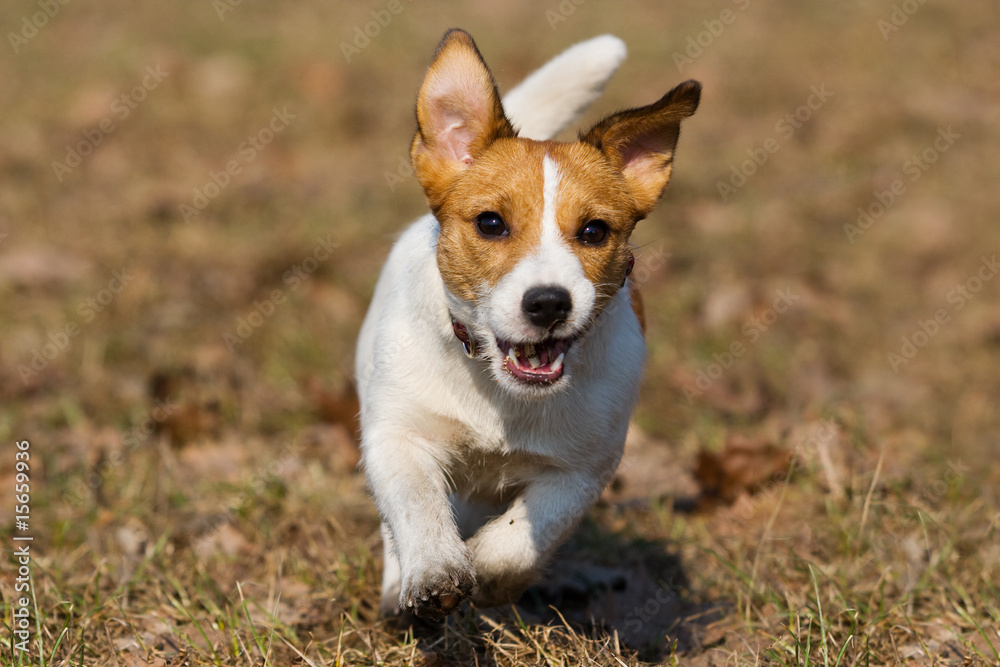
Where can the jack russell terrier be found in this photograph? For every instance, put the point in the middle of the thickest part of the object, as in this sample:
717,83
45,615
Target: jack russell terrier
501,356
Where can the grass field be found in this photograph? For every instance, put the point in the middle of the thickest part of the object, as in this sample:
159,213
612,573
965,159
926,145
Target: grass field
195,201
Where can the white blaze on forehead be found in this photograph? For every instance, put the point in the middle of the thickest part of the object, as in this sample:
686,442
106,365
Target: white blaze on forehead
550,196
551,264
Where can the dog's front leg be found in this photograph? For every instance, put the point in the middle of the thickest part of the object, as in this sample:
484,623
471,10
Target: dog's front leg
510,550
410,487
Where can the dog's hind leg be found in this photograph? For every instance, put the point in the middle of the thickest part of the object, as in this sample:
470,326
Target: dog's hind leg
510,550
471,515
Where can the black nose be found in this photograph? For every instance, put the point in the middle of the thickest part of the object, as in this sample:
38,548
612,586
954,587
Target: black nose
545,306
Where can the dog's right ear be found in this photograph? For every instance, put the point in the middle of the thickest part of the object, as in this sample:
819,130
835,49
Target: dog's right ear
459,115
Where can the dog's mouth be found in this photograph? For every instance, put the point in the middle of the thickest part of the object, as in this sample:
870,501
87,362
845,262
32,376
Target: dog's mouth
535,363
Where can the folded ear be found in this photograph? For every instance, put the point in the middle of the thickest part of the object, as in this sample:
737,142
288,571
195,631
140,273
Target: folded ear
640,142
459,114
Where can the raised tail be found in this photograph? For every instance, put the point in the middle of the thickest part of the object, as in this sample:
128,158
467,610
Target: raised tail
556,94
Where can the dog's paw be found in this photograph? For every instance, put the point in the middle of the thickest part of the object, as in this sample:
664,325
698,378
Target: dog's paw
437,593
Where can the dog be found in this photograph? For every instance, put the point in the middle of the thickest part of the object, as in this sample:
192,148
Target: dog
500,359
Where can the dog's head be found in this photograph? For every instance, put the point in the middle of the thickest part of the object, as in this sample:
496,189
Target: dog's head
534,239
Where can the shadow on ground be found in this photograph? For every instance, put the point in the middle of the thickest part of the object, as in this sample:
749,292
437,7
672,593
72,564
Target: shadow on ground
607,584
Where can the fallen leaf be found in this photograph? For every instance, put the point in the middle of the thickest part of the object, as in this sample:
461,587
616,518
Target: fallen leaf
743,465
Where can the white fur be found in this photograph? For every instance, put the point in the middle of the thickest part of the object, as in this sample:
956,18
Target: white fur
558,93
478,484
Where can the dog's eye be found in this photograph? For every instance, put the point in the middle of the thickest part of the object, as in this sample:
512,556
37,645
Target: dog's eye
594,232
491,225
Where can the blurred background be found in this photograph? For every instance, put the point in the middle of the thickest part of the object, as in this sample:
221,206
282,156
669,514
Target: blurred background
196,199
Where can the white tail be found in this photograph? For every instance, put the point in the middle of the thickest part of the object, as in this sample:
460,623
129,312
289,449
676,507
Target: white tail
556,94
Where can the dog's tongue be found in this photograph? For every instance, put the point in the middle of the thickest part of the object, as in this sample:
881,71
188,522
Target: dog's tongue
536,362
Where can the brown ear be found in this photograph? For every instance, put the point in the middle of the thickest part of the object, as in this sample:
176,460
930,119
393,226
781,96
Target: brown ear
640,142
459,115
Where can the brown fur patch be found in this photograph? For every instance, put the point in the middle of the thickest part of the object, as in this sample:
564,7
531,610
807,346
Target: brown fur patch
638,307
469,262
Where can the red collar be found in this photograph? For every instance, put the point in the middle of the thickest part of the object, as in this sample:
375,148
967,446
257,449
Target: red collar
468,341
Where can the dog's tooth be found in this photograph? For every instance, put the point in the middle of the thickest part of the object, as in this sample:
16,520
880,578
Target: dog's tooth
557,364
512,356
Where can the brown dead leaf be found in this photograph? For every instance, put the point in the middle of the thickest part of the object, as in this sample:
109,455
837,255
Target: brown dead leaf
742,467
182,413
189,420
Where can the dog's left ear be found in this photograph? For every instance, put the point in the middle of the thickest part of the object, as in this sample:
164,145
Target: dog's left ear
459,114
641,142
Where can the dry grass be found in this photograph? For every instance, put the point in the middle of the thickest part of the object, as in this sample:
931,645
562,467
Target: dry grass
193,505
